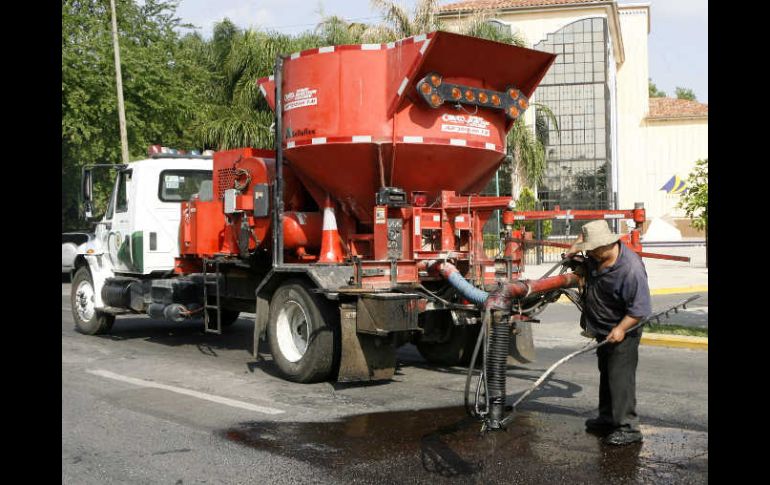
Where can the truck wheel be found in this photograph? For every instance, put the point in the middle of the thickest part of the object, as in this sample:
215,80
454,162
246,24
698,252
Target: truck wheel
88,319
456,350
303,332
229,317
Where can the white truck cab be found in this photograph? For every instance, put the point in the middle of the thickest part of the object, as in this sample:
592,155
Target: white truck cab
139,231
138,235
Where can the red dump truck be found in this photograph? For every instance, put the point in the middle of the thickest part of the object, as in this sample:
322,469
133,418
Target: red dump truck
361,231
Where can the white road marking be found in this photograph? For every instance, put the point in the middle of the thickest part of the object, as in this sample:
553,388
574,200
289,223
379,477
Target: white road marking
186,392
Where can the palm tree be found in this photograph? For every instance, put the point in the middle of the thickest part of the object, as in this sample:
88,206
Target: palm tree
399,24
237,115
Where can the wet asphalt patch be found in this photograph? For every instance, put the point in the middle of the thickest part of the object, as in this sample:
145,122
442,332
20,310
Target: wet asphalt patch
445,445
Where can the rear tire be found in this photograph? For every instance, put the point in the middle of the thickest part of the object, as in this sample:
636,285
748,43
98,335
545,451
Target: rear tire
456,350
88,320
303,331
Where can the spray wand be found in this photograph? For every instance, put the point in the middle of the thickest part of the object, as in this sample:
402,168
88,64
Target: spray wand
592,346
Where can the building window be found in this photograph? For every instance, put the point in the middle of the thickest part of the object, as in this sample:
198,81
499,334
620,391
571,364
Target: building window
575,89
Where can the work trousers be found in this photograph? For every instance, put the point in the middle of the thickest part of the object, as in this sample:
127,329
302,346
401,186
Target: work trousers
617,384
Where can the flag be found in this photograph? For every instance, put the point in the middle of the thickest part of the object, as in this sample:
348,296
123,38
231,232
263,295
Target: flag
675,186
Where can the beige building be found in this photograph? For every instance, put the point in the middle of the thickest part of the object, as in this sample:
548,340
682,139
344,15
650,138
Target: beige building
615,145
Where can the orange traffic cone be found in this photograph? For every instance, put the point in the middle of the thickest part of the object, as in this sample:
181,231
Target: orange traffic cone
331,246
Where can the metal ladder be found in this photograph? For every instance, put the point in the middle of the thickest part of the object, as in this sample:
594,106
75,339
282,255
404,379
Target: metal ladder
206,281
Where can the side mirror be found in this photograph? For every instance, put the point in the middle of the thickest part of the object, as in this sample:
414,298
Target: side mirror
87,192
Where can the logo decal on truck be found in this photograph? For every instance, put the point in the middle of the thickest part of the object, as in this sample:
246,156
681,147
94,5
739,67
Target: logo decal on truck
465,124
301,132
300,98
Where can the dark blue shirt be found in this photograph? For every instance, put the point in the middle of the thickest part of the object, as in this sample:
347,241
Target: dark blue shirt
614,292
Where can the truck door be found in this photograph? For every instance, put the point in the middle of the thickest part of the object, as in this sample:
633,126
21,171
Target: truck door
103,231
114,231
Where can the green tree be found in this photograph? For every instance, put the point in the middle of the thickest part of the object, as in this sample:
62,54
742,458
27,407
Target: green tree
235,114
696,199
685,93
160,84
653,90
528,202
398,23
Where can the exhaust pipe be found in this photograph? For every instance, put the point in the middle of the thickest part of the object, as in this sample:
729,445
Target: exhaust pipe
174,312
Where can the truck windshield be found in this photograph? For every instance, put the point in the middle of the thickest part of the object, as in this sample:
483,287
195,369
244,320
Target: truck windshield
179,185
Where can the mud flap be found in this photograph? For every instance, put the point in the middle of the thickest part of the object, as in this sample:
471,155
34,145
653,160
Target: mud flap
522,347
260,322
363,357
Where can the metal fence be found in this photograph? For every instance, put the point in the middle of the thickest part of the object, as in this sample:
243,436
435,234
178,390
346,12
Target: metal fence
535,254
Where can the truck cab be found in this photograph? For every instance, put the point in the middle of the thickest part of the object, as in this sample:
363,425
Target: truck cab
137,237
138,234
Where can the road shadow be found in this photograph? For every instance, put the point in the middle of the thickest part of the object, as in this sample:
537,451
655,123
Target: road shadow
238,336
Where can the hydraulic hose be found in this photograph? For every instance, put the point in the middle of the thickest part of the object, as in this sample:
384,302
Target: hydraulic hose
452,275
495,334
474,411
502,298
497,360
471,293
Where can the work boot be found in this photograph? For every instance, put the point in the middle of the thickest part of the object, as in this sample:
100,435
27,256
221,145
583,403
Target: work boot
599,426
623,437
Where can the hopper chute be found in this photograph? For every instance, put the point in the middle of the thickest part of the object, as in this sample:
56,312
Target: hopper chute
354,120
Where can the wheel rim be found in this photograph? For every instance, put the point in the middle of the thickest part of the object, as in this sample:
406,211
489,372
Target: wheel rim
292,329
84,301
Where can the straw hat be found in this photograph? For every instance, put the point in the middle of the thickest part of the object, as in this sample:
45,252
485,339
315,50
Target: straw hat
596,234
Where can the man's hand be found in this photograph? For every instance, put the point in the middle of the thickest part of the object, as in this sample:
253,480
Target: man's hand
572,251
616,335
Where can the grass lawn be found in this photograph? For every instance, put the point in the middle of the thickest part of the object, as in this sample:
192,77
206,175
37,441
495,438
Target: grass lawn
676,330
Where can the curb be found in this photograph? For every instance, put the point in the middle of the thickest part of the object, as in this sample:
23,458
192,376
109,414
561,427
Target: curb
679,341
681,289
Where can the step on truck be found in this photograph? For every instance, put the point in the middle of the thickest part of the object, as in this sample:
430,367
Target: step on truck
360,232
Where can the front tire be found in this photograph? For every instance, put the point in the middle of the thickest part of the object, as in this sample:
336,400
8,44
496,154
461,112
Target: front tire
303,331
88,320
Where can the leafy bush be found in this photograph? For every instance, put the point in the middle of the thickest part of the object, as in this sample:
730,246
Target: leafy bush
695,200
527,202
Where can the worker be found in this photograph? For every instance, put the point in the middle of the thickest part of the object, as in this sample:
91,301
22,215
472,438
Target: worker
616,297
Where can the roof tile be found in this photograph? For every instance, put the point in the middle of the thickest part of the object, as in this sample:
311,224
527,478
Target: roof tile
497,4
676,108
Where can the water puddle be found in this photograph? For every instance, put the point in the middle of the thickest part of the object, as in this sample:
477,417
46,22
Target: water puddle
429,444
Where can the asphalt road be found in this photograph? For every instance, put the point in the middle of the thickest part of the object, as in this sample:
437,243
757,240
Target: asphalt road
157,402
